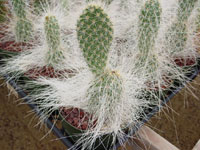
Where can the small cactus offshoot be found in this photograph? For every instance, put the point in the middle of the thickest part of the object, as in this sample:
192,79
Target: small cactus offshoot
52,31
95,35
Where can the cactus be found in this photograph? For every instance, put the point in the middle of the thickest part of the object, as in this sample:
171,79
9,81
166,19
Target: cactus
95,34
23,30
39,6
149,21
2,11
52,31
19,7
185,9
107,87
177,35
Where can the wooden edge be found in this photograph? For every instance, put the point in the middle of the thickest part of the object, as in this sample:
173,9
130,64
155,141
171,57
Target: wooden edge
12,90
147,139
197,146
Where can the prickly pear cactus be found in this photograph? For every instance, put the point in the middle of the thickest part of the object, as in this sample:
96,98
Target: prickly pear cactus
95,35
149,23
52,31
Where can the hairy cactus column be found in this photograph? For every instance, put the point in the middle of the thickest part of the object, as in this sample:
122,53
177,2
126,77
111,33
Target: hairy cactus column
95,35
177,35
23,28
149,23
52,31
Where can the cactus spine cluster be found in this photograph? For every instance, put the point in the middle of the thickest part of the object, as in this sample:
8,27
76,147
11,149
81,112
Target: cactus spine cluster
52,32
149,23
23,28
178,30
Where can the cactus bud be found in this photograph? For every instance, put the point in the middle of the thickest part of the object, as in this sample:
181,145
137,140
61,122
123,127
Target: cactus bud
95,35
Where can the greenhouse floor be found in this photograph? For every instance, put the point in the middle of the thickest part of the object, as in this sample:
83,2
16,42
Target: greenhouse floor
179,125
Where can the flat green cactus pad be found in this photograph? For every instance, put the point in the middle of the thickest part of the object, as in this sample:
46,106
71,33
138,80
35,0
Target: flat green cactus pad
95,35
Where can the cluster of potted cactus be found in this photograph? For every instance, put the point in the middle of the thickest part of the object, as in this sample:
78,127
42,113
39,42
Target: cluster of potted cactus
99,63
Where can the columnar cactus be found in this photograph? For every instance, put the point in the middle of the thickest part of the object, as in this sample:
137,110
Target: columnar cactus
149,23
177,35
95,34
52,31
23,27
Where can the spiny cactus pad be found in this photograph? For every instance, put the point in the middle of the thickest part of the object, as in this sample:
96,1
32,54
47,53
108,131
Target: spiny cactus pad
149,23
95,35
107,86
52,31
23,30
19,8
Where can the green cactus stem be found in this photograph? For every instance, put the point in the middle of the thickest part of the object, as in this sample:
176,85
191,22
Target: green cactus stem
149,23
23,30
52,31
40,5
19,7
177,34
95,35
185,9
2,11
106,86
